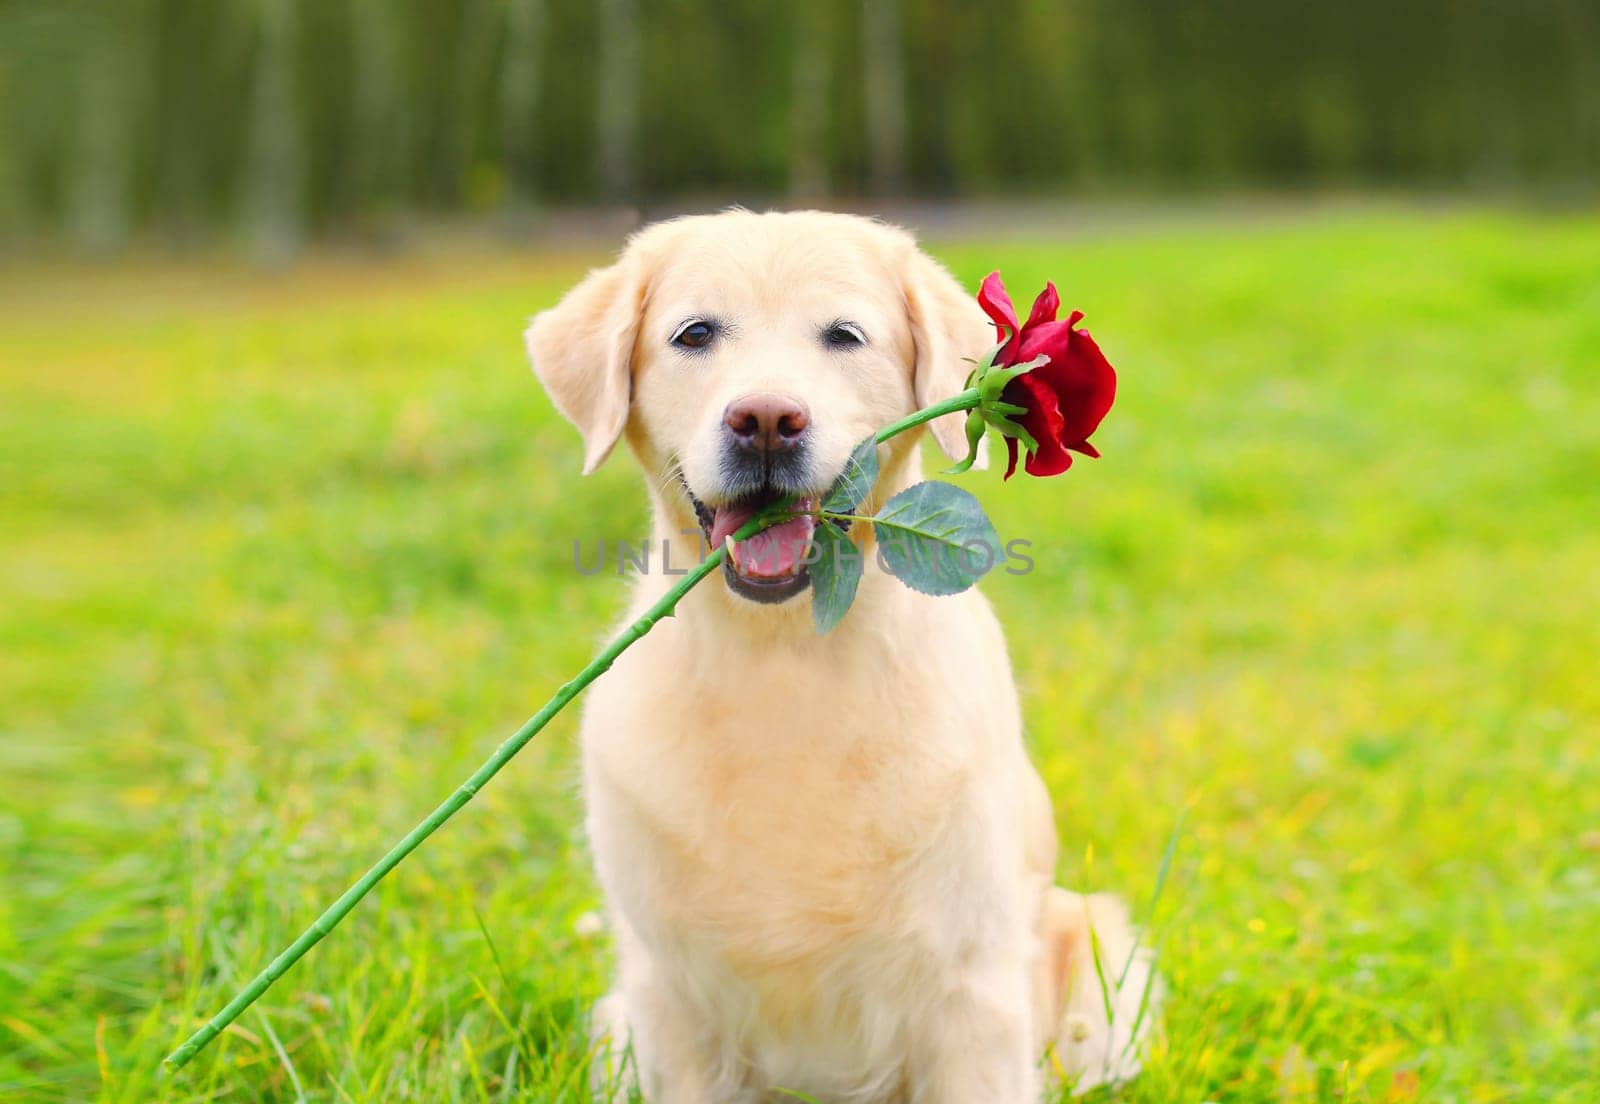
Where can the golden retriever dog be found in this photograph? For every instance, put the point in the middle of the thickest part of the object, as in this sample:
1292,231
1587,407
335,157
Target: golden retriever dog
827,861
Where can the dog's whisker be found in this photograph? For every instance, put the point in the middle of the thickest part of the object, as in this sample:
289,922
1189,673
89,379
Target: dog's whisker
669,479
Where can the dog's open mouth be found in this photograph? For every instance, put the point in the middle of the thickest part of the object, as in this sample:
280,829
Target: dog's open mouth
770,566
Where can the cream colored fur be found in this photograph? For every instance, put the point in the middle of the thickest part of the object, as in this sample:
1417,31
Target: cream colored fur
827,861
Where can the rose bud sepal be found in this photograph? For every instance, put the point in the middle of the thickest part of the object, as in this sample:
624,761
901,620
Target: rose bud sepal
992,410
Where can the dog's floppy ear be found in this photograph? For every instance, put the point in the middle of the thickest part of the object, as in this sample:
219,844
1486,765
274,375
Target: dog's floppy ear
947,325
582,351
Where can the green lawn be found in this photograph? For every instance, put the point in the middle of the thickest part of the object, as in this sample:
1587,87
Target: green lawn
285,557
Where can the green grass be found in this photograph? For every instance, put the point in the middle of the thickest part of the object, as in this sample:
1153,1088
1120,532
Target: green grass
284,558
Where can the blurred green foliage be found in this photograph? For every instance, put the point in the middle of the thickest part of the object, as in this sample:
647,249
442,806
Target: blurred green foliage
304,116
286,556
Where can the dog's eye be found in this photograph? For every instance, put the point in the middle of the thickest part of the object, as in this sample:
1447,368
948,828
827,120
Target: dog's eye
844,335
694,334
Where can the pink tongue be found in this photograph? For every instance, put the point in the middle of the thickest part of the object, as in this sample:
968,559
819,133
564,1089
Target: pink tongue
773,553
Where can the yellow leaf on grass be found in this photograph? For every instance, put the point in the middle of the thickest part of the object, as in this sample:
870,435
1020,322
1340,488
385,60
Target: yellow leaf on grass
1379,1057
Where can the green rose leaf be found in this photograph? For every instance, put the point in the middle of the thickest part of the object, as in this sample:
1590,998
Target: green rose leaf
936,538
975,429
854,483
835,573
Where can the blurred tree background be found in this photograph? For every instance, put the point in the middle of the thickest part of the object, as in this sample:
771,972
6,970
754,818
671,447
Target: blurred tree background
284,120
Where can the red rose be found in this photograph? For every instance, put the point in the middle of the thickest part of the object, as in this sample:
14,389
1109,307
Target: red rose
1064,398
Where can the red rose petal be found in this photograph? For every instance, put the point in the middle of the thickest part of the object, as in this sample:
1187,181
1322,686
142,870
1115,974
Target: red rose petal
996,303
1050,462
1044,307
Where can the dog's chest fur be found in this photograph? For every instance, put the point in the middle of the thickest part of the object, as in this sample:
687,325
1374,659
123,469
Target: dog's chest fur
767,783
773,820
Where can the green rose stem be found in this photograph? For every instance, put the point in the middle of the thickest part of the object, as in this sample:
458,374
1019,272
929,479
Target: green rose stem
464,793
966,400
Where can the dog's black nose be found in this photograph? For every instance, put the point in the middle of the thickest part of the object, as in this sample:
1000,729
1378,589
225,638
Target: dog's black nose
766,423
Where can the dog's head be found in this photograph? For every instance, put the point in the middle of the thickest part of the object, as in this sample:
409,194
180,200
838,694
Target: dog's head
744,355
